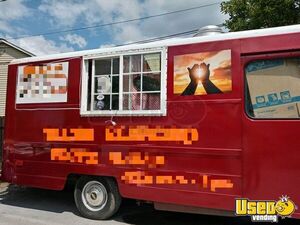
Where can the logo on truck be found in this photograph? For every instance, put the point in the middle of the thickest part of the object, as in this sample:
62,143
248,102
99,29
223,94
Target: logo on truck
265,211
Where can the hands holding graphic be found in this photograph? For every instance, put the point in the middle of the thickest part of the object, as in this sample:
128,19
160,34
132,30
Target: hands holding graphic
200,73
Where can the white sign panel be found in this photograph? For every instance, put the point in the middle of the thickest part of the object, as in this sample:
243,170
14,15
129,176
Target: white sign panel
43,83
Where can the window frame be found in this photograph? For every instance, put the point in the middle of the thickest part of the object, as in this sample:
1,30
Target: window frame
247,59
120,112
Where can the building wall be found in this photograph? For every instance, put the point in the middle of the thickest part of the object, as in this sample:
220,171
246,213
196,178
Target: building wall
5,57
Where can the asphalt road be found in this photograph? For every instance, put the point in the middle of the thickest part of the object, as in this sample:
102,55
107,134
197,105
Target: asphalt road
20,205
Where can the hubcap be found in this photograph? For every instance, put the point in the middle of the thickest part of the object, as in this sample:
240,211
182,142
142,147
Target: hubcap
94,195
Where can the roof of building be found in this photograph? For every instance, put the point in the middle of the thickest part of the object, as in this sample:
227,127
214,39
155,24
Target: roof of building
165,43
16,47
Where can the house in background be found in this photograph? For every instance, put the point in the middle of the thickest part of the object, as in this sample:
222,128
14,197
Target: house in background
8,52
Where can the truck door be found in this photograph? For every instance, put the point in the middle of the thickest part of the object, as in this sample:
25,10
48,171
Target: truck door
271,126
212,107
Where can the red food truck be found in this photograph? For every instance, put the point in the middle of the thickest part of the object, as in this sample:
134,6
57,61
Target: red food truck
207,124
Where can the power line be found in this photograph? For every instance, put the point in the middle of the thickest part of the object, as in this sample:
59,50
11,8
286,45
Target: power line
114,23
161,37
166,36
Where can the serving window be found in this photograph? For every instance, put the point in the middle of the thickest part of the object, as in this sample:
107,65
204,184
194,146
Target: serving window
125,84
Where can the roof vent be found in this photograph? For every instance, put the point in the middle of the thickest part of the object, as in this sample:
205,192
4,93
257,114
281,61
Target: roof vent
209,30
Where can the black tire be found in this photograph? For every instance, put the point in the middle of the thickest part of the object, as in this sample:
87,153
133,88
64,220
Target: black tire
86,201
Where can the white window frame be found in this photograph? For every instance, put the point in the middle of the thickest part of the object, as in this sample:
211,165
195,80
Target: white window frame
84,85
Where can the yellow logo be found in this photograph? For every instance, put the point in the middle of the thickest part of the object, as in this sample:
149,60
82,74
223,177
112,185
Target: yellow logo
265,211
285,207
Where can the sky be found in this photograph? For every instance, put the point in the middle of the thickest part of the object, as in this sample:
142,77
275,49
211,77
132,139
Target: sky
29,17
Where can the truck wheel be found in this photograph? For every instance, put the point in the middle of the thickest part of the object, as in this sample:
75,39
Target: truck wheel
97,198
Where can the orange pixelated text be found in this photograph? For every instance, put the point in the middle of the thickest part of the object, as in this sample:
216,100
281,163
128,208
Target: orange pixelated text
136,158
76,134
145,133
141,178
75,155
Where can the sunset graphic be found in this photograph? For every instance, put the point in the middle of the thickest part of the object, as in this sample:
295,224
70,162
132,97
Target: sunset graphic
220,70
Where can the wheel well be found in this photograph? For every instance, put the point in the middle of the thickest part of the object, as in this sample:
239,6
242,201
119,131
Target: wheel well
72,179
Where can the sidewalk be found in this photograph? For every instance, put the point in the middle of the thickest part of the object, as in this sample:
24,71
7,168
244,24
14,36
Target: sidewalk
3,186
0,169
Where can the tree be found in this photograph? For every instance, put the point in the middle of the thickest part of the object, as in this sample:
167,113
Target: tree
255,14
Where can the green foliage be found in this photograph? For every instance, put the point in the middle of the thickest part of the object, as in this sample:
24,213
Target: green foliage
255,14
